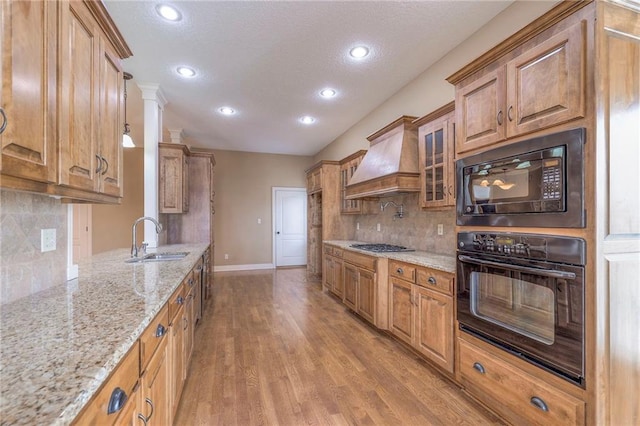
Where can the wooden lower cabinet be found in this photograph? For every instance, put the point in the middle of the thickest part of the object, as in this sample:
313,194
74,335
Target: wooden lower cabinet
350,276
423,317
154,404
516,395
176,343
366,301
332,279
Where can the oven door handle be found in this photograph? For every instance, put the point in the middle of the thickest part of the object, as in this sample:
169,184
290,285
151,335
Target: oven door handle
542,272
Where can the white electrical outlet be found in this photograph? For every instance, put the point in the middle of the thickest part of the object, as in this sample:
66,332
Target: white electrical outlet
226,256
259,221
440,229
358,225
47,239
378,227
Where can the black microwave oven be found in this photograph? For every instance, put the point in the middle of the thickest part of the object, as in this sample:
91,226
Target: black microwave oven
537,182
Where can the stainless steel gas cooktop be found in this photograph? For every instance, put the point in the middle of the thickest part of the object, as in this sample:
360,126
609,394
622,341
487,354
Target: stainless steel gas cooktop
381,248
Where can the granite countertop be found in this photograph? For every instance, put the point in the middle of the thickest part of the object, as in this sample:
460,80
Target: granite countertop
58,346
439,262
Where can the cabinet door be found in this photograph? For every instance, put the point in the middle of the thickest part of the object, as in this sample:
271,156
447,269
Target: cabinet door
155,388
436,163
176,345
367,295
111,123
401,305
338,280
546,84
185,184
28,94
434,327
170,191
189,328
350,286
480,115
79,157
328,273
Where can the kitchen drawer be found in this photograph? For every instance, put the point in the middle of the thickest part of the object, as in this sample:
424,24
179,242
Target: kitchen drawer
328,250
153,335
435,280
123,377
402,270
176,301
361,260
515,394
338,252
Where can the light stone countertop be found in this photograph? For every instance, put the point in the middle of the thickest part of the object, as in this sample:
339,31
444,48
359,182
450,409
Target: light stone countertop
58,346
439,262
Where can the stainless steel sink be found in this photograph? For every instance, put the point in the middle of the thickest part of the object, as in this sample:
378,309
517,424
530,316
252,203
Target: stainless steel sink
158,257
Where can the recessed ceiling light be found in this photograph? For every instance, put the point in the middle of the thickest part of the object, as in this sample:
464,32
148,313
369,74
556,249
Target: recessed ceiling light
327,93
307,119
186,71
359,52
226,110
169,13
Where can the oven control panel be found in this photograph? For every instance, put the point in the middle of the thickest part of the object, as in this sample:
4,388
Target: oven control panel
527,246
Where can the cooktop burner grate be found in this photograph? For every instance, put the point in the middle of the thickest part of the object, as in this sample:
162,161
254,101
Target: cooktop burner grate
381,247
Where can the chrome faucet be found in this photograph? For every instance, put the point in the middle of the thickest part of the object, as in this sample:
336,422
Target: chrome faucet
134,245
399,212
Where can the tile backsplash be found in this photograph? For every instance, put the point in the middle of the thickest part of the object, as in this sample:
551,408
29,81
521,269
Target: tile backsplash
24,269
418,228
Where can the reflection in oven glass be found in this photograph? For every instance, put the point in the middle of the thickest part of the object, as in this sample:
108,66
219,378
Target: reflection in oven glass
518,305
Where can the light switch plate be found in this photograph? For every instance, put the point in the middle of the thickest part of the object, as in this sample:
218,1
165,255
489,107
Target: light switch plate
440,229
47,239
378,227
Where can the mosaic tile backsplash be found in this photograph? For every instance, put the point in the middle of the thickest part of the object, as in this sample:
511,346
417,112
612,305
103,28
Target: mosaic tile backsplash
24,269
418,229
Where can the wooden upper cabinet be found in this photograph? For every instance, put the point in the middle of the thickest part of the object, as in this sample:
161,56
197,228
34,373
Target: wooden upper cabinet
173,190
91,134
28,94
540,88
480,112
546,84
436,144
314,180
348,167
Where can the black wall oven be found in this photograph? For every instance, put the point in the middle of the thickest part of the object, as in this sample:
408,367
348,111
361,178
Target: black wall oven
533,183
525,294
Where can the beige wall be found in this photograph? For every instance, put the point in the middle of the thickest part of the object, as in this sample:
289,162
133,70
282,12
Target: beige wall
112,223
430,90
243,183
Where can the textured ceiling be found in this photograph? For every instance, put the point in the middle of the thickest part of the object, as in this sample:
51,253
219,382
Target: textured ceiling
268,60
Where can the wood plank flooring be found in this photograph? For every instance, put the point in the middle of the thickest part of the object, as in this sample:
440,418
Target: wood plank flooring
273,349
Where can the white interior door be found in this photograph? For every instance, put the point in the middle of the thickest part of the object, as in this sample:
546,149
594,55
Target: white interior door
290,226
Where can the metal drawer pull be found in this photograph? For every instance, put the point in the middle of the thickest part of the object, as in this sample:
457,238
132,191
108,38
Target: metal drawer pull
499,118
148,401
180,300
4,120
107,163
431,281
143,418
400,271
509,113
161,330
479,368
99,163
539,403
117,400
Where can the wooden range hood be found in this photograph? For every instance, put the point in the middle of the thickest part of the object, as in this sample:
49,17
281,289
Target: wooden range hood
391,165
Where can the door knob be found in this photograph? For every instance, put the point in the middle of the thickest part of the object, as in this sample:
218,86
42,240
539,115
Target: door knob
278,232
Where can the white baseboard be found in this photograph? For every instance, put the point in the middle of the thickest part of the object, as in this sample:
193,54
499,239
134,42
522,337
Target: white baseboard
225,268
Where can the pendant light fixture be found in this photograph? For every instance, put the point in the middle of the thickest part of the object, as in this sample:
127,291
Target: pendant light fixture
127,142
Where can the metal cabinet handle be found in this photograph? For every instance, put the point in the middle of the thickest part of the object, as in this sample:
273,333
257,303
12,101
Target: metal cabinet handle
180,300
431,281
116,401
509,113
107,163
478,367
450,190
190,281
148,401
99,163
499,118
400,271
4,121
186,323
161,330
143,418
539,403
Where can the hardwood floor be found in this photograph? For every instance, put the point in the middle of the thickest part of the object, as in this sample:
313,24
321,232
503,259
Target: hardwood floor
273,349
